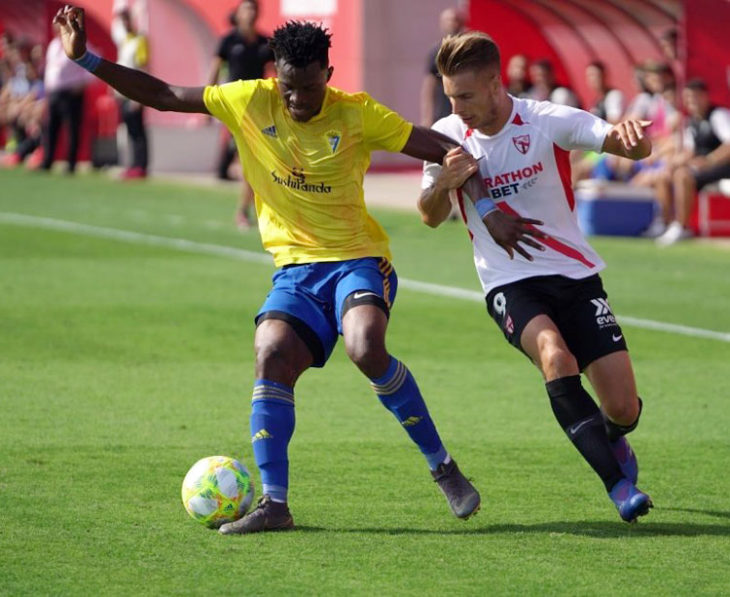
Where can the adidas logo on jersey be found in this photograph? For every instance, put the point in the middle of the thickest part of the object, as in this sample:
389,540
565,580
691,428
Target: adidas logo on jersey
270,131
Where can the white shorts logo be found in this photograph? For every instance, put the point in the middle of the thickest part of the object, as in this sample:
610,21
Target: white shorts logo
500,303
604,315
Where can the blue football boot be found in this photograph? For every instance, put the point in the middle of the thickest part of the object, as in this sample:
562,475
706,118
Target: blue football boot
629,501
626,459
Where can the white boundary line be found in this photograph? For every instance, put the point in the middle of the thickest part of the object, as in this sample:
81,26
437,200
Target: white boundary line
190,246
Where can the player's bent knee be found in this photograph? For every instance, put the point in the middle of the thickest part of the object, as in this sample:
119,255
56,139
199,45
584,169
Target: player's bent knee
623,411
279,360
367,352
556,362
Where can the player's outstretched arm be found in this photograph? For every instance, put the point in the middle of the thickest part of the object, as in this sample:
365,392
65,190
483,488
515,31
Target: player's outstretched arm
627,139
135,85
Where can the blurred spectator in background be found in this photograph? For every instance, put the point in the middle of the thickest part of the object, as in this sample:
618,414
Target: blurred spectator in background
245,53
659,103
656,102
660,106
544,86
669,42
132,52
434,103
21,100
704,159
64,83
608,103
518,82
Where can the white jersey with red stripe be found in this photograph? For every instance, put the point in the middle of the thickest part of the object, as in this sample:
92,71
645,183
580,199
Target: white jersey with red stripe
526,167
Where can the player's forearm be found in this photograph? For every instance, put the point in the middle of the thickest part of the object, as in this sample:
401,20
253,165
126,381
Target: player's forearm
475,187
146,89
428,145
434,205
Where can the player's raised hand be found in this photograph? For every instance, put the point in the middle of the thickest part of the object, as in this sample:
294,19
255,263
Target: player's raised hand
70,21
629,139
631,132
457,167
509,231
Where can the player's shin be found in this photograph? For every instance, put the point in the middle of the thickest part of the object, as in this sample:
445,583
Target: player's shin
399,393
581,419
272,425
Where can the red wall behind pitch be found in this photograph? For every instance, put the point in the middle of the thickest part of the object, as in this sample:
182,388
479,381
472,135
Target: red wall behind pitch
514,34
708,45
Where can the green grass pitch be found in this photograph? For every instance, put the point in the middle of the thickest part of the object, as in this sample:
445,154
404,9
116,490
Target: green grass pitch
122,363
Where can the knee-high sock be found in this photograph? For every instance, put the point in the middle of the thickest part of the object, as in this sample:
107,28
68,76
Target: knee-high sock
399,393
615,431
582,422
272,425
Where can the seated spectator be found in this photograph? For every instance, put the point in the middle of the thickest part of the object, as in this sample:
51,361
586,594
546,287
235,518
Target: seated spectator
517,81
24,115
704,159
608,103
21,103
544,86
656,103
660,105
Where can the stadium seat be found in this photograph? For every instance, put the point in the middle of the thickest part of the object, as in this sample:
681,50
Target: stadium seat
713,209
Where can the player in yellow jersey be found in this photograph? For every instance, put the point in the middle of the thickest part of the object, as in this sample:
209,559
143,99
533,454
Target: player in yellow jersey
305,147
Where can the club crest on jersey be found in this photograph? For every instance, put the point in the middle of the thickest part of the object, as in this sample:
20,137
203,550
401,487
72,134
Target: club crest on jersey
270,131
522,143
333,138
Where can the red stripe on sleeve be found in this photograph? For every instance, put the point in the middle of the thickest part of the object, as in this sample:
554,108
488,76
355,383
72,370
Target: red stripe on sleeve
562,159
462,211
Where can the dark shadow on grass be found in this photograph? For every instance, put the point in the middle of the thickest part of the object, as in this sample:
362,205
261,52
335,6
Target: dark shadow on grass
598,530
716,513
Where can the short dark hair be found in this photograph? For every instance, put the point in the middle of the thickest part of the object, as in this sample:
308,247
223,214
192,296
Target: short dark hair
696,85
300,43
464,51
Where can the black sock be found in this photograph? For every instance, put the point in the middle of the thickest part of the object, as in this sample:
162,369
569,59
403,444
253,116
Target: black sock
614,430
583,423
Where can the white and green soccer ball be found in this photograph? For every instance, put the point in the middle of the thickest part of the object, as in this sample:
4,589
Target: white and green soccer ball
216,490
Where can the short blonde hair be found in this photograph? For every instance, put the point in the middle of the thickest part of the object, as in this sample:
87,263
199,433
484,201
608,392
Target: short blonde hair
464,51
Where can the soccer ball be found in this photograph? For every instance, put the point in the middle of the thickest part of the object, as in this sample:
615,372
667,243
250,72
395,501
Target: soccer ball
216,490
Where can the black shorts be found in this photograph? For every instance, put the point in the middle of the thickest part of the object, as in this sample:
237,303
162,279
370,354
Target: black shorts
579,309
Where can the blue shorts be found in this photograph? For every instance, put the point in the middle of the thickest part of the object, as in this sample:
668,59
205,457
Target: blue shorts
313,297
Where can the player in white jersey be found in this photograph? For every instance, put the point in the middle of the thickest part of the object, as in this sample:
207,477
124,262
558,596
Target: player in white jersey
552,308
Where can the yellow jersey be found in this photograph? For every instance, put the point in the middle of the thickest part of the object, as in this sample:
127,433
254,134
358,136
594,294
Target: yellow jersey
307,177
